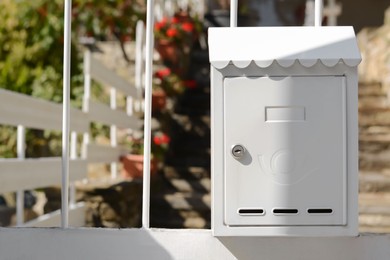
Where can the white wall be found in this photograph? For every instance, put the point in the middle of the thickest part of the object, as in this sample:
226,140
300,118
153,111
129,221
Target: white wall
97,244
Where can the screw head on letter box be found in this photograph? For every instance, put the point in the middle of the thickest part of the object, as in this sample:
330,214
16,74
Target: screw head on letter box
284,131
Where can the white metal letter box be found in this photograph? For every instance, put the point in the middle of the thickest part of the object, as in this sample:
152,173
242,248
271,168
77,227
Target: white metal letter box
284,131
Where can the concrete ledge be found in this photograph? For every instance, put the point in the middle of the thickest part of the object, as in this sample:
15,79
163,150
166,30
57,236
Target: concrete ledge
38,243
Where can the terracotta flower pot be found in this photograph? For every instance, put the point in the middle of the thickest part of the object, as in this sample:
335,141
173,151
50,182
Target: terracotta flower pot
133,165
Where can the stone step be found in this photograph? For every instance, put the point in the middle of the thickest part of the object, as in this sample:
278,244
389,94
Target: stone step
188,201
373,229
188,173
180,210
375,130
373,89
374,220
378,160
180,151
180,219
6,214
374,182
183,160
373,104
182,185
375,138
375,203
379,118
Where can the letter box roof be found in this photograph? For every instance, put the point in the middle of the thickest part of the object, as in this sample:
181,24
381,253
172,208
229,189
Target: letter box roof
285,45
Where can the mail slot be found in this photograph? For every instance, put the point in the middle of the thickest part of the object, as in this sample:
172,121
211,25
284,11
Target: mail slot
284,131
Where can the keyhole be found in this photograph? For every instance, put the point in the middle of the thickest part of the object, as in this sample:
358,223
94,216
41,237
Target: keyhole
238,151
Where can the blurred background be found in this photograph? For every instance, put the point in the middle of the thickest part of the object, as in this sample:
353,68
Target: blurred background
110,34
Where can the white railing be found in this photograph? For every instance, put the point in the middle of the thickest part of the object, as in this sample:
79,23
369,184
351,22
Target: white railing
108,114
21,174
22,111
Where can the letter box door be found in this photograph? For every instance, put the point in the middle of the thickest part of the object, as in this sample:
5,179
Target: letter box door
285,151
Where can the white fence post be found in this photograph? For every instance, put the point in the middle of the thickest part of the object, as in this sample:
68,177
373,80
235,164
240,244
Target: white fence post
139,62
66,115
21,145
113,133
73,156
86,97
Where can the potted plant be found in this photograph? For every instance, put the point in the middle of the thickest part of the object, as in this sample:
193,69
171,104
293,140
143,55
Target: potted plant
133,162
175,37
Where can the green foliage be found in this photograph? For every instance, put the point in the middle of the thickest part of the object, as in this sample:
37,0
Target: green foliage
31,46
7,142
31,51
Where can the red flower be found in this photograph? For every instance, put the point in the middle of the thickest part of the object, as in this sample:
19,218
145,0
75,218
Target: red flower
163,73
172,32
156,140
187,27
165,139
158,26
161,139
161,24
190,83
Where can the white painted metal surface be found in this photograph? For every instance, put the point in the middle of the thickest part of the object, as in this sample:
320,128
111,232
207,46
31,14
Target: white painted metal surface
318,6
66,114
20,147
283,45
148,113
104,244
233,13
284,131
281,127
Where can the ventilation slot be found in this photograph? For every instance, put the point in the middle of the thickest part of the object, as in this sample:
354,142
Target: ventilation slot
251,212
285,211
320,211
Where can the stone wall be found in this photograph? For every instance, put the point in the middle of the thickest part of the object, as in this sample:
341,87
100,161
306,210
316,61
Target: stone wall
109,203
374,128
112,204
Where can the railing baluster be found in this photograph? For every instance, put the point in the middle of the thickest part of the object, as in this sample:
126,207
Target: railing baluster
139,41
318,13
21,145
86,98
148,113
73,156
66,116
113,133
233,13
